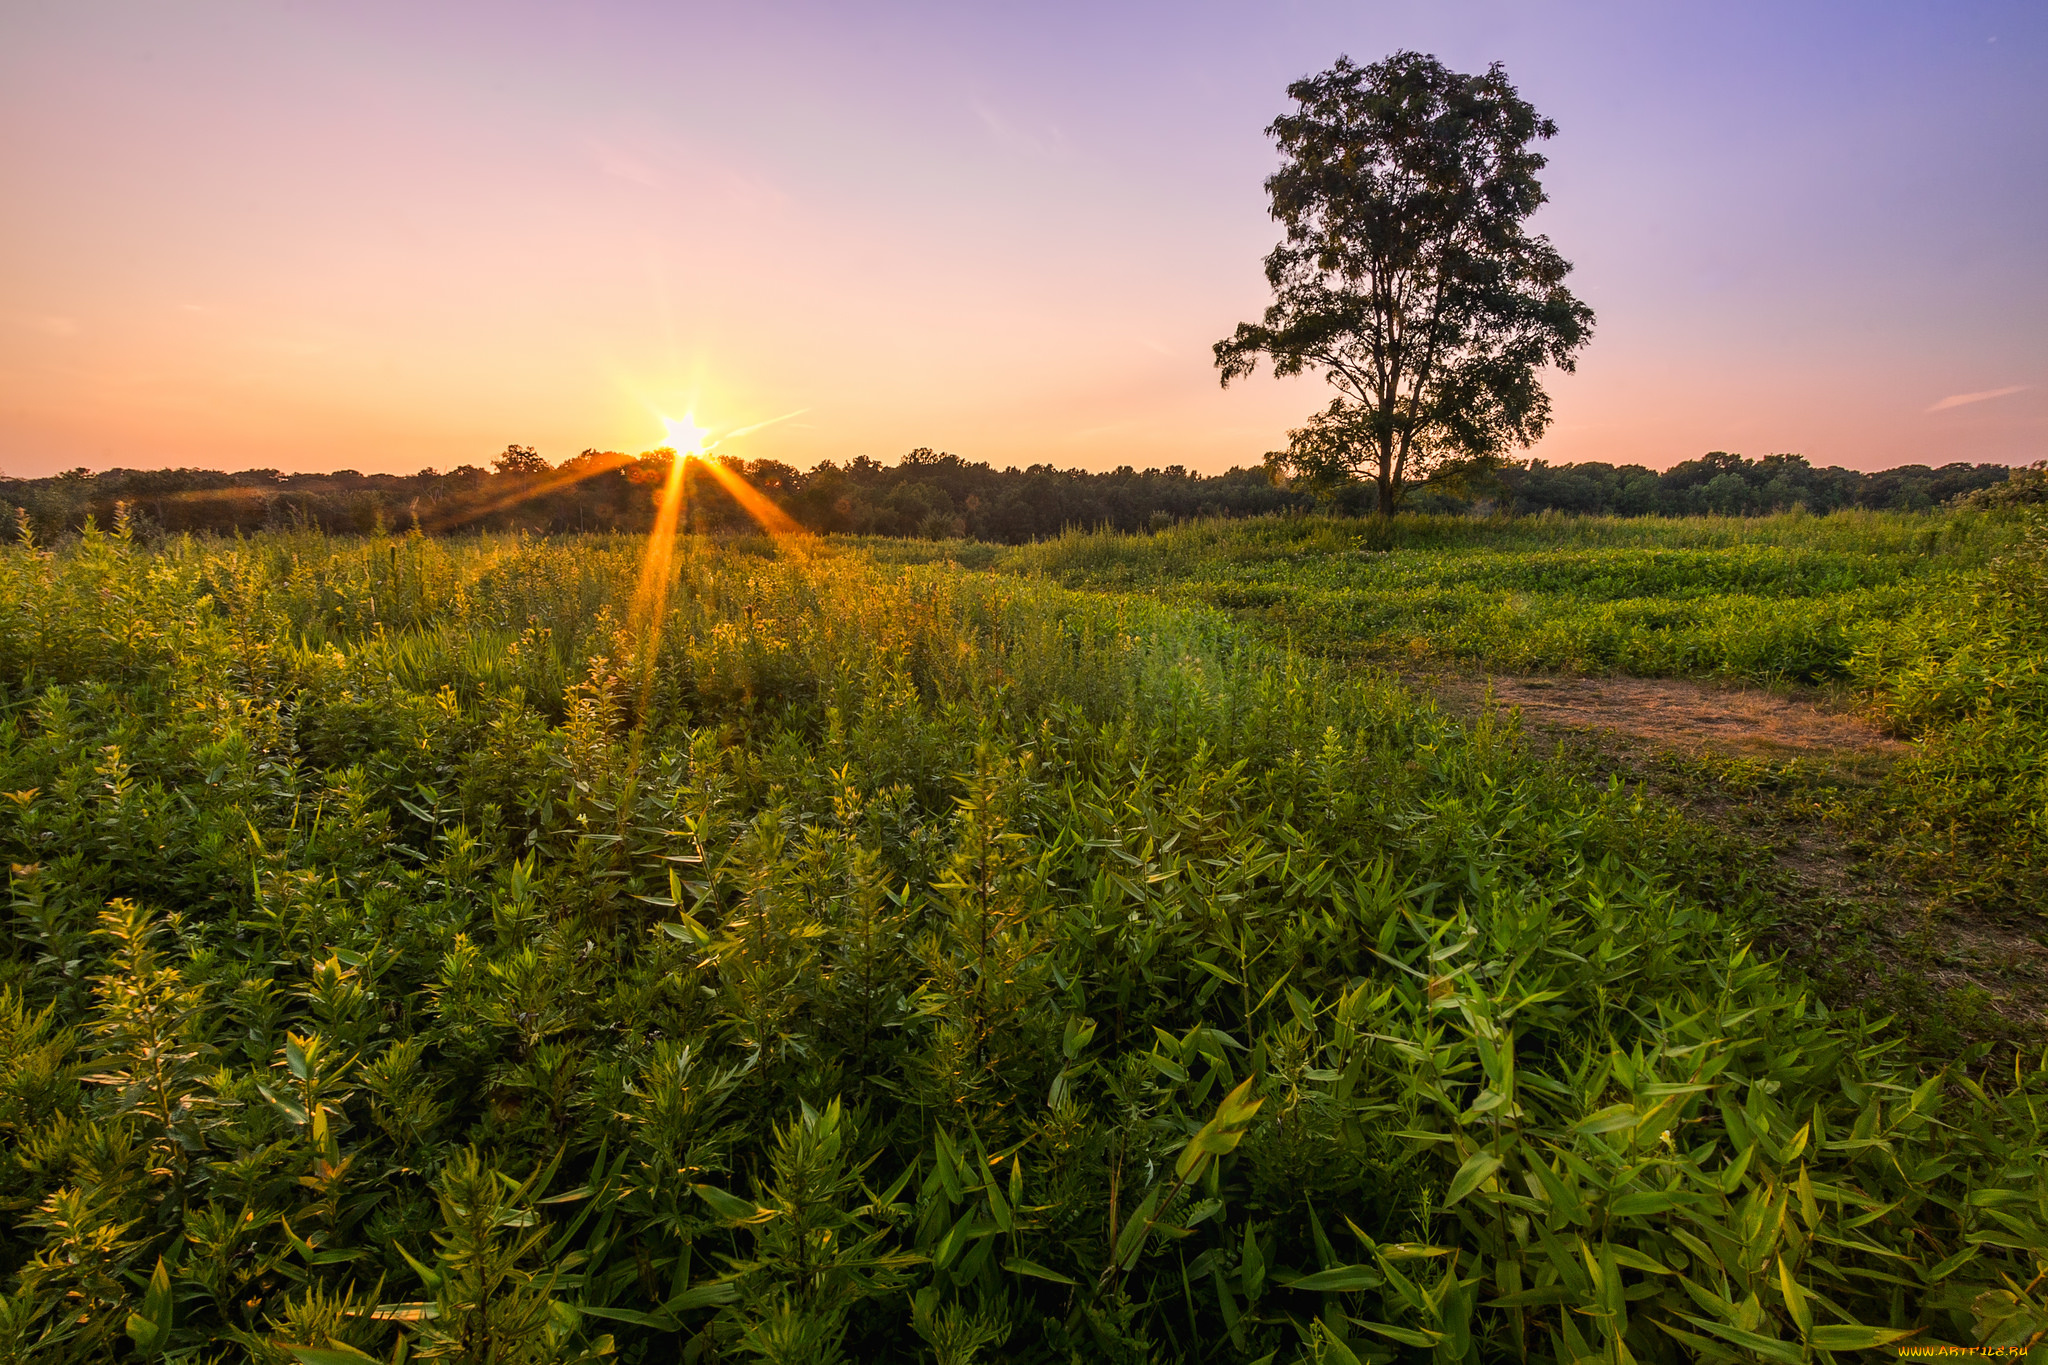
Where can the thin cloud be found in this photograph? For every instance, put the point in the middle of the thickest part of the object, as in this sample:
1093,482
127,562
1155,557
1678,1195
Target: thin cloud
1956,400
750,430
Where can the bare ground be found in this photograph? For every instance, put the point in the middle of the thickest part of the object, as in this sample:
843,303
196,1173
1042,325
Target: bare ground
1680,715
1849,923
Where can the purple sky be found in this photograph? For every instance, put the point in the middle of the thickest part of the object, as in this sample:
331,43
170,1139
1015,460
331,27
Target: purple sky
387,236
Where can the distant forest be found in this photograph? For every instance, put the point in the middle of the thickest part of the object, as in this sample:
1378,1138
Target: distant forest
927,494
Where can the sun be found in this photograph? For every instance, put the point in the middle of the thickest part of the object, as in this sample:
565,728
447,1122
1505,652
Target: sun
686,436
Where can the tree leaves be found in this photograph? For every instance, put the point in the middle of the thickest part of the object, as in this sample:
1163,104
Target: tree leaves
1406,277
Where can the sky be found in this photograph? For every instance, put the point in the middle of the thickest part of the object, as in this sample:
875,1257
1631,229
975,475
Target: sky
392,236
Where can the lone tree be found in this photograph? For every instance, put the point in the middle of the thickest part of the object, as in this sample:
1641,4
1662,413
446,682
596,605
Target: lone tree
1407,277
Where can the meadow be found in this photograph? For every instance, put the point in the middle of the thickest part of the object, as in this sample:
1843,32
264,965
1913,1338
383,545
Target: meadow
1935,625
515,949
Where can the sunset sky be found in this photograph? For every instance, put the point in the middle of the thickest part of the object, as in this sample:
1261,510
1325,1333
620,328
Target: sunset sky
388,236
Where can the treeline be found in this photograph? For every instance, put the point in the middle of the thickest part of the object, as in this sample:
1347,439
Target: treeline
1729,485
928,494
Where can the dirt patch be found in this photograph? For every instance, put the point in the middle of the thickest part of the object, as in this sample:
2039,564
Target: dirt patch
1676,714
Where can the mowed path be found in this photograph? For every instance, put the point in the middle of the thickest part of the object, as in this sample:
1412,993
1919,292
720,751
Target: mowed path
1678,714
2006,964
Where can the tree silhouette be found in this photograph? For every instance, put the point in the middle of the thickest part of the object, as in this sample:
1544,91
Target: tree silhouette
1407,276
520,460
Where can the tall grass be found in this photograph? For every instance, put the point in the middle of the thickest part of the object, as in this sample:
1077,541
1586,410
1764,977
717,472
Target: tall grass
411,951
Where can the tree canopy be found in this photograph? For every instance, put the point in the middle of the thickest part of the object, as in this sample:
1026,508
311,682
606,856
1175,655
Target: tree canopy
1407,276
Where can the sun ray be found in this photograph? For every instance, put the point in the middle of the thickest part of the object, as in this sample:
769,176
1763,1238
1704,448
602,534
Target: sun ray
650,599
572,472
752,501
689,444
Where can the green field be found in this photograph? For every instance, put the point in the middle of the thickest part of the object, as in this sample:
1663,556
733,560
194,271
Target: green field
1935,625
879,951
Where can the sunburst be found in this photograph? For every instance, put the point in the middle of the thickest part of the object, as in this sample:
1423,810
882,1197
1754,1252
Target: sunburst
686,438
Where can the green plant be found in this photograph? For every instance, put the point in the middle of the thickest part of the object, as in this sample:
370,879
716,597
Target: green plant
902,960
